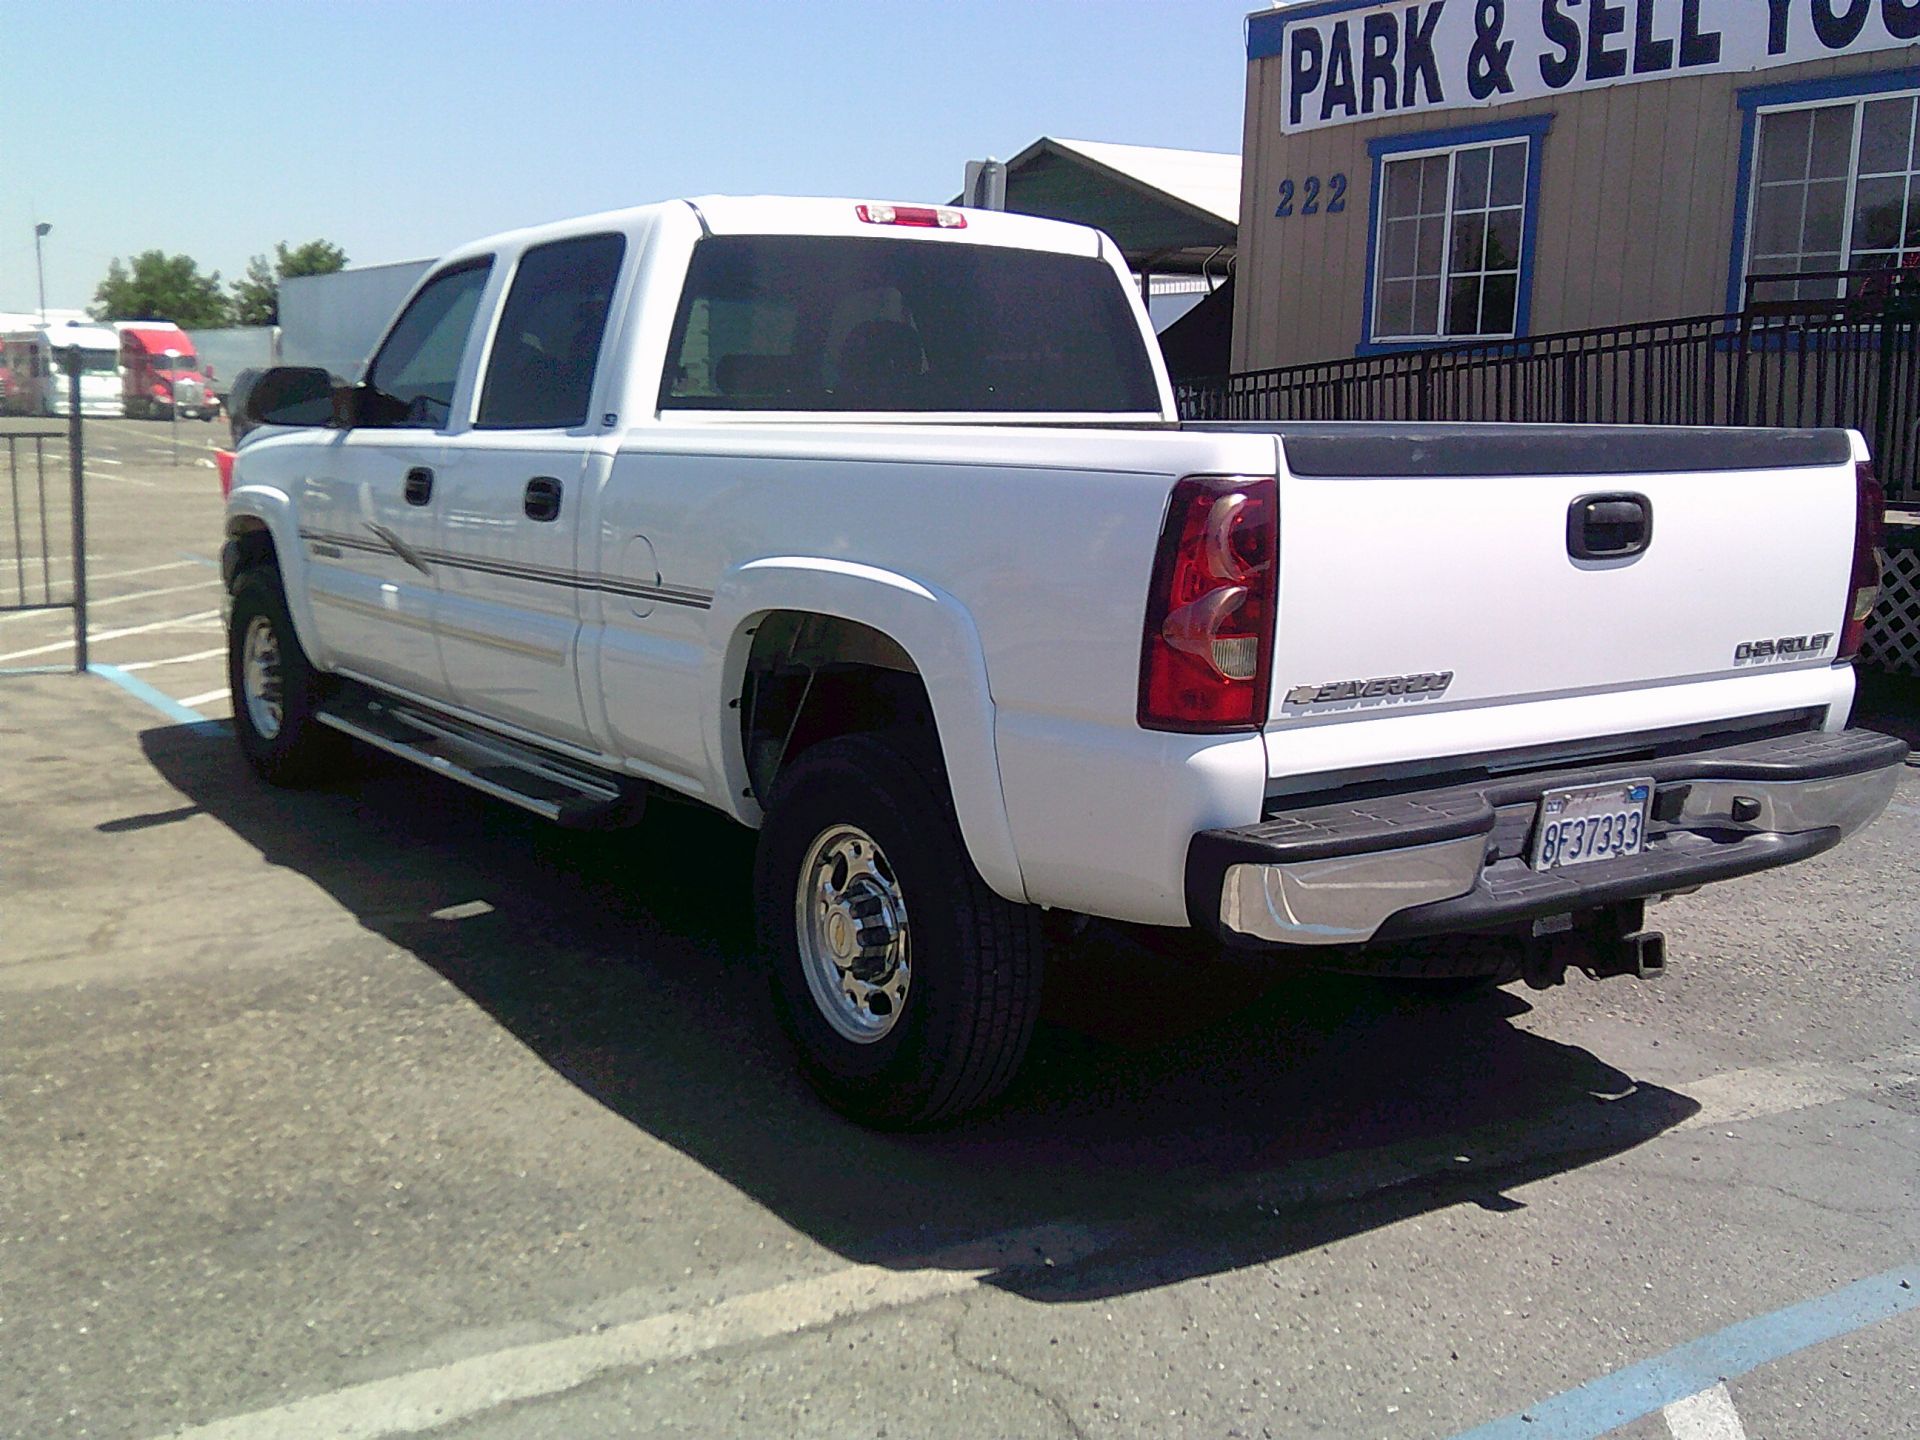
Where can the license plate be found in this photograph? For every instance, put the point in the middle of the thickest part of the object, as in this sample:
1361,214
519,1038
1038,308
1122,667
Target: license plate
1591,822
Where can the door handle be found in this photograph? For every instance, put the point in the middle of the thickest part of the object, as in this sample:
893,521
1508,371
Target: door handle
543,498
1609,527
419,485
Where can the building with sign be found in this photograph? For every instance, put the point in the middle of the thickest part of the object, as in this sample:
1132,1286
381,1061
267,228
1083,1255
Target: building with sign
1427,172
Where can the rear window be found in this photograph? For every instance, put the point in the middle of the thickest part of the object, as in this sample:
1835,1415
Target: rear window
794,322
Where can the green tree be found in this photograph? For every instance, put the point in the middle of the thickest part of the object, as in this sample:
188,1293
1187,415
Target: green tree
256,295
158,286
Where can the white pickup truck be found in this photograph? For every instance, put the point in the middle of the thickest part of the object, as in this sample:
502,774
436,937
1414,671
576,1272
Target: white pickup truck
874,527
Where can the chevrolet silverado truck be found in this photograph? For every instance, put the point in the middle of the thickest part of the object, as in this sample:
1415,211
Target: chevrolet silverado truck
875,527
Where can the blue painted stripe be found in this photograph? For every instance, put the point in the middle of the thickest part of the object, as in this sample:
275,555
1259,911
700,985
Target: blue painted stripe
1626,1395
141,690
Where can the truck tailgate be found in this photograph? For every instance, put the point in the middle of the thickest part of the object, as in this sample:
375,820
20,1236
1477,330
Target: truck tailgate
1428,570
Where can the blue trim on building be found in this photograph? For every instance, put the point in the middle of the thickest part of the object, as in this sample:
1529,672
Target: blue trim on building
1266,31
1751,101
1533,128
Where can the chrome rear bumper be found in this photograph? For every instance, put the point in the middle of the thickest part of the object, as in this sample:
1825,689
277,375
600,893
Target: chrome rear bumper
1454,860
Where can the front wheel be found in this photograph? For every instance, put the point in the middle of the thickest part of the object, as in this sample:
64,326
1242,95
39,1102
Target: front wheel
908,988
276,690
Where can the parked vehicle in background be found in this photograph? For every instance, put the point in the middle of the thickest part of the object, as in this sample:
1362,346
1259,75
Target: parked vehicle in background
874,527
226,353
154,383
38,385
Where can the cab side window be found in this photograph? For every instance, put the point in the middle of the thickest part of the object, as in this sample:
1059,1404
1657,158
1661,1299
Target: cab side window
415,371
540,375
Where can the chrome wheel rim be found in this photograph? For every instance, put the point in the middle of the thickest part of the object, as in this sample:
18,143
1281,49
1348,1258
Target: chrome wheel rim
260,682
854,943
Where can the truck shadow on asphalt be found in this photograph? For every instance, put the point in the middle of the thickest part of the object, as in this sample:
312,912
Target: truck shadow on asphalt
1200,1115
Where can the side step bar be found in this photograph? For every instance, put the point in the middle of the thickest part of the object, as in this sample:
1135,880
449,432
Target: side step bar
570,795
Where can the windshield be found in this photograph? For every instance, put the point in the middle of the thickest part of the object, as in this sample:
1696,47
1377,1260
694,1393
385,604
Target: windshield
180,364
99,362
793,322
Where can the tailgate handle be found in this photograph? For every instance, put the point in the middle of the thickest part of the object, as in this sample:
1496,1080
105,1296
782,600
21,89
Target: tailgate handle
1609,527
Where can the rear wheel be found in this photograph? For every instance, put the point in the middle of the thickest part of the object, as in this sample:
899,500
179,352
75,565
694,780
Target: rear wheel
276,690
908,987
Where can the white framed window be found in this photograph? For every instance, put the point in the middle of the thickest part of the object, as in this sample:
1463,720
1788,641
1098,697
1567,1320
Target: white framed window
1448,242
1836,186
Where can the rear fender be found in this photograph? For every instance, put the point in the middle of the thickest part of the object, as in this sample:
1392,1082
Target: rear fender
939,636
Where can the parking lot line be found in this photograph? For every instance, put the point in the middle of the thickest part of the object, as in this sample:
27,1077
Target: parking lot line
1591,1410
105,600
206,696
141,690
1707,1416
175,660
94,637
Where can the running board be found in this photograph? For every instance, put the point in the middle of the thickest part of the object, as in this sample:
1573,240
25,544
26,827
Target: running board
570,795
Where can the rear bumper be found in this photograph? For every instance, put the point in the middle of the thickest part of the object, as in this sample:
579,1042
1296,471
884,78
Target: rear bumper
1453,860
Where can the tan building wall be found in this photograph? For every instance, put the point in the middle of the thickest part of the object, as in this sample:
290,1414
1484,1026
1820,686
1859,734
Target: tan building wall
1637,193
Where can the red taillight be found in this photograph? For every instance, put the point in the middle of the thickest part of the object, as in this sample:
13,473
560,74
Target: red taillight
1863,590
925,216
1206,659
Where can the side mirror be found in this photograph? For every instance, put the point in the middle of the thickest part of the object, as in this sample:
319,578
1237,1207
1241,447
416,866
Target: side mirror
290,395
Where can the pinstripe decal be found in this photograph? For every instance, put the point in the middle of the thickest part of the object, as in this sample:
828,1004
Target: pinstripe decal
512,570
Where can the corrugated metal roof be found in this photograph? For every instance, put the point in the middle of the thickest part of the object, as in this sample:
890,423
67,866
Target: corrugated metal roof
1204,179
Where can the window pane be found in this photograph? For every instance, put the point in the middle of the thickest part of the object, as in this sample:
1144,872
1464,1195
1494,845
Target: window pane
1912,237
1877,213
547,344
1783,145
1433,185
1509,174
1820,289
1469,241
1402,189
1503,240
1463,306
1433,235
1832,142
1826,200
1497,304
1470,179
1885,128
1426,307
1776,226
1395,315
420,359
908,325
1398,262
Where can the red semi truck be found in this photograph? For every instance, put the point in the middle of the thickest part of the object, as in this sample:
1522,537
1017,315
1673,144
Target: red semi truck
161,372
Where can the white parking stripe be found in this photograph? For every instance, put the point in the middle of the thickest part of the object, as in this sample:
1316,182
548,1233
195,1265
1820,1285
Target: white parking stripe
123,480
94,637
195,701
1707,1416
175,660
106,600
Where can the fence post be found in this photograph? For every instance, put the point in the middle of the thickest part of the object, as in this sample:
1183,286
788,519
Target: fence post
1738,415
77,469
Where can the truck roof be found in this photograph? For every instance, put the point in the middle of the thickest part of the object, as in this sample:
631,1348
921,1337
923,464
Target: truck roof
810,215
157,337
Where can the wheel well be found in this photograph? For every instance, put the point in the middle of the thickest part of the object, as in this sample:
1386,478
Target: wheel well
813,677
249,543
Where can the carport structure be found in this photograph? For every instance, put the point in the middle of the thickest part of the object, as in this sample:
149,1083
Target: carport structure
1174,213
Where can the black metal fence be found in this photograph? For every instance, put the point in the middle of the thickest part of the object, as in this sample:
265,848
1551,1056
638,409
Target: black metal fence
1851,359
45,512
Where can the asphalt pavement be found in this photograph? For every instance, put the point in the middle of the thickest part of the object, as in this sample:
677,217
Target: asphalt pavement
383,1109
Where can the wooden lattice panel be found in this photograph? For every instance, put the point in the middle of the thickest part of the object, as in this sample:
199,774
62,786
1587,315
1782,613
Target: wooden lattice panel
1893,635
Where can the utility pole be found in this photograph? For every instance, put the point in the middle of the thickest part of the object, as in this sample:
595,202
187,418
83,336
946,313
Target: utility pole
40,233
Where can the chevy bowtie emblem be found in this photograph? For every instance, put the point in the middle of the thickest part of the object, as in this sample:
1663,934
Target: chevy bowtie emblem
1396,686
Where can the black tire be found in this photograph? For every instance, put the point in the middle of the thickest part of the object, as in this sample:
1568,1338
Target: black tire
302,749
975,959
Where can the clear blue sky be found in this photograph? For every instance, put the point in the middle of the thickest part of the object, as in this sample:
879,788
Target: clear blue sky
400,130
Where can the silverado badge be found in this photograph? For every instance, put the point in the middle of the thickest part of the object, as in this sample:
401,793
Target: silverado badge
1396,686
